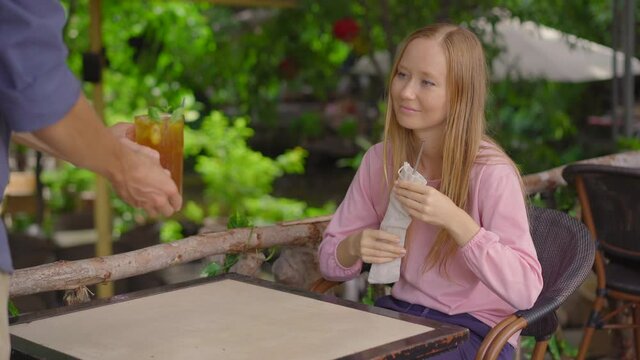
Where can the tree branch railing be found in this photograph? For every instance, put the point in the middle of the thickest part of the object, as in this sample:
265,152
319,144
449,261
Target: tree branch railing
67,275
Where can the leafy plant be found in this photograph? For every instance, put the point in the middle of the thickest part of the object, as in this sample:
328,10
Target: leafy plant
170,231
627,143
237,178
309,125
368,299
13,310
21,222
65,186
235,221
556,348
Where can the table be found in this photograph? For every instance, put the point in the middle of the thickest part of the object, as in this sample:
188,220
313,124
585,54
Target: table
228,317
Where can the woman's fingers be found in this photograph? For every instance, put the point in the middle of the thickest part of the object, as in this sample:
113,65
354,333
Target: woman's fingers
408,194
383,235
377,260
411,203
411,186
379,246
385,250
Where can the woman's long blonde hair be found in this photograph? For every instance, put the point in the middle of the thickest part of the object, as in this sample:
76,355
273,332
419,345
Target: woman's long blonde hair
466,85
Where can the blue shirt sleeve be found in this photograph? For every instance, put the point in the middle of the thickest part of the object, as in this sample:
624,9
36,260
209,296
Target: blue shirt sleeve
36,87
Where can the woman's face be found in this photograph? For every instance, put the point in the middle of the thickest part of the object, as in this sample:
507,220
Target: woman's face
418,89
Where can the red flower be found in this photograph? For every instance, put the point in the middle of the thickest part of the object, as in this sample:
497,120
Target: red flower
346,29
288,68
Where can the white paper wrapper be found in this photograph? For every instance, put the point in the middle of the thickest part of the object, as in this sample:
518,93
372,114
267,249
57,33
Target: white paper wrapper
395,221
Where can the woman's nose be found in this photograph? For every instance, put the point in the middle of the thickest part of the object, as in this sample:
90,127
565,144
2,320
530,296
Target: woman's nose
408,91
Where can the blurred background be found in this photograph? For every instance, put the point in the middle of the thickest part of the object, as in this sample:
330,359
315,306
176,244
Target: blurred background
283,97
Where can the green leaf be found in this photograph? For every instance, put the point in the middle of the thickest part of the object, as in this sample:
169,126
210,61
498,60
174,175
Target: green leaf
193,212
170,231
238,220
154,113
229,261
368,298
13,310
271,252
568,349
554,349
177,114
213,269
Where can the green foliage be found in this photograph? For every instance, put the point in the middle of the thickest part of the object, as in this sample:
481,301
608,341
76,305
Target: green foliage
212,269
271,252
21,222
561,198
364,144
368,299
309,125
154,113
628,144
237,178
66,184
13,310
236,220
348,128
558,349
170,231
125,216
193,212
531,121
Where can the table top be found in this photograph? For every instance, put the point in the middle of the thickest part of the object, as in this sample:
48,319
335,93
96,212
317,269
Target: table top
228,317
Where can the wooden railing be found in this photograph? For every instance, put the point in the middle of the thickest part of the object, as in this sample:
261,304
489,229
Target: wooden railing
69,275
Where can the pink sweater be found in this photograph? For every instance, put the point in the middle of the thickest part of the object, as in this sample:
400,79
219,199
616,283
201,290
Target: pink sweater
496,273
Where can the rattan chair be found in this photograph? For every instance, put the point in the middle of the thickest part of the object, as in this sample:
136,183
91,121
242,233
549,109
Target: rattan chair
566,252
610,201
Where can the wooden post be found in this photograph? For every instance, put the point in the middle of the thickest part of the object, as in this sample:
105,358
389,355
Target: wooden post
628,83
102,210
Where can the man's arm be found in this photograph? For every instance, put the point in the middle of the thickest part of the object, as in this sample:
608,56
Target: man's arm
27,139
81,138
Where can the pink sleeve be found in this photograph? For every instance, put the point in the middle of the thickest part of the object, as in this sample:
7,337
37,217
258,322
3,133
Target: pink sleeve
355,213
502,253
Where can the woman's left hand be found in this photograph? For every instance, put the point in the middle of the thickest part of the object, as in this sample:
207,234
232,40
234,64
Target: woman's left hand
425,203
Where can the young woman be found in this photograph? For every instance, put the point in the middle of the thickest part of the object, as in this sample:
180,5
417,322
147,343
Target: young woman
468,257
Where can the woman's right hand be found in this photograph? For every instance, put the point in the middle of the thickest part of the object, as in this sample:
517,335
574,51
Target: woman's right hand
375,246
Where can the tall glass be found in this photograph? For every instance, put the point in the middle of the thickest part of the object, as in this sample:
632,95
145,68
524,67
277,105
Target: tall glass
167,137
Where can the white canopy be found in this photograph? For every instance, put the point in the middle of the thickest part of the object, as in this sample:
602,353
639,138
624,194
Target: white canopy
531,51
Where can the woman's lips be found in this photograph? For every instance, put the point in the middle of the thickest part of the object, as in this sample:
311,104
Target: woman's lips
408,109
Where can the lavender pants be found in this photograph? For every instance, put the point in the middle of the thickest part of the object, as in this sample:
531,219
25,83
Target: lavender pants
477,329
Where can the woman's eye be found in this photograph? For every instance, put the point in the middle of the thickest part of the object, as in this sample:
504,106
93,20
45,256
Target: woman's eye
427,83
401,75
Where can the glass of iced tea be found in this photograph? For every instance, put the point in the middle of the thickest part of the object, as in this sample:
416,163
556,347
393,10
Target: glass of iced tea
164,133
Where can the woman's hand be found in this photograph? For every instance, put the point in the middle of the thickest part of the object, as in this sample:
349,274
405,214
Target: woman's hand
375,246
425,203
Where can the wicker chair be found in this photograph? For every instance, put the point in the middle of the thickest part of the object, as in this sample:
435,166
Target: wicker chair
610,200
566,253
